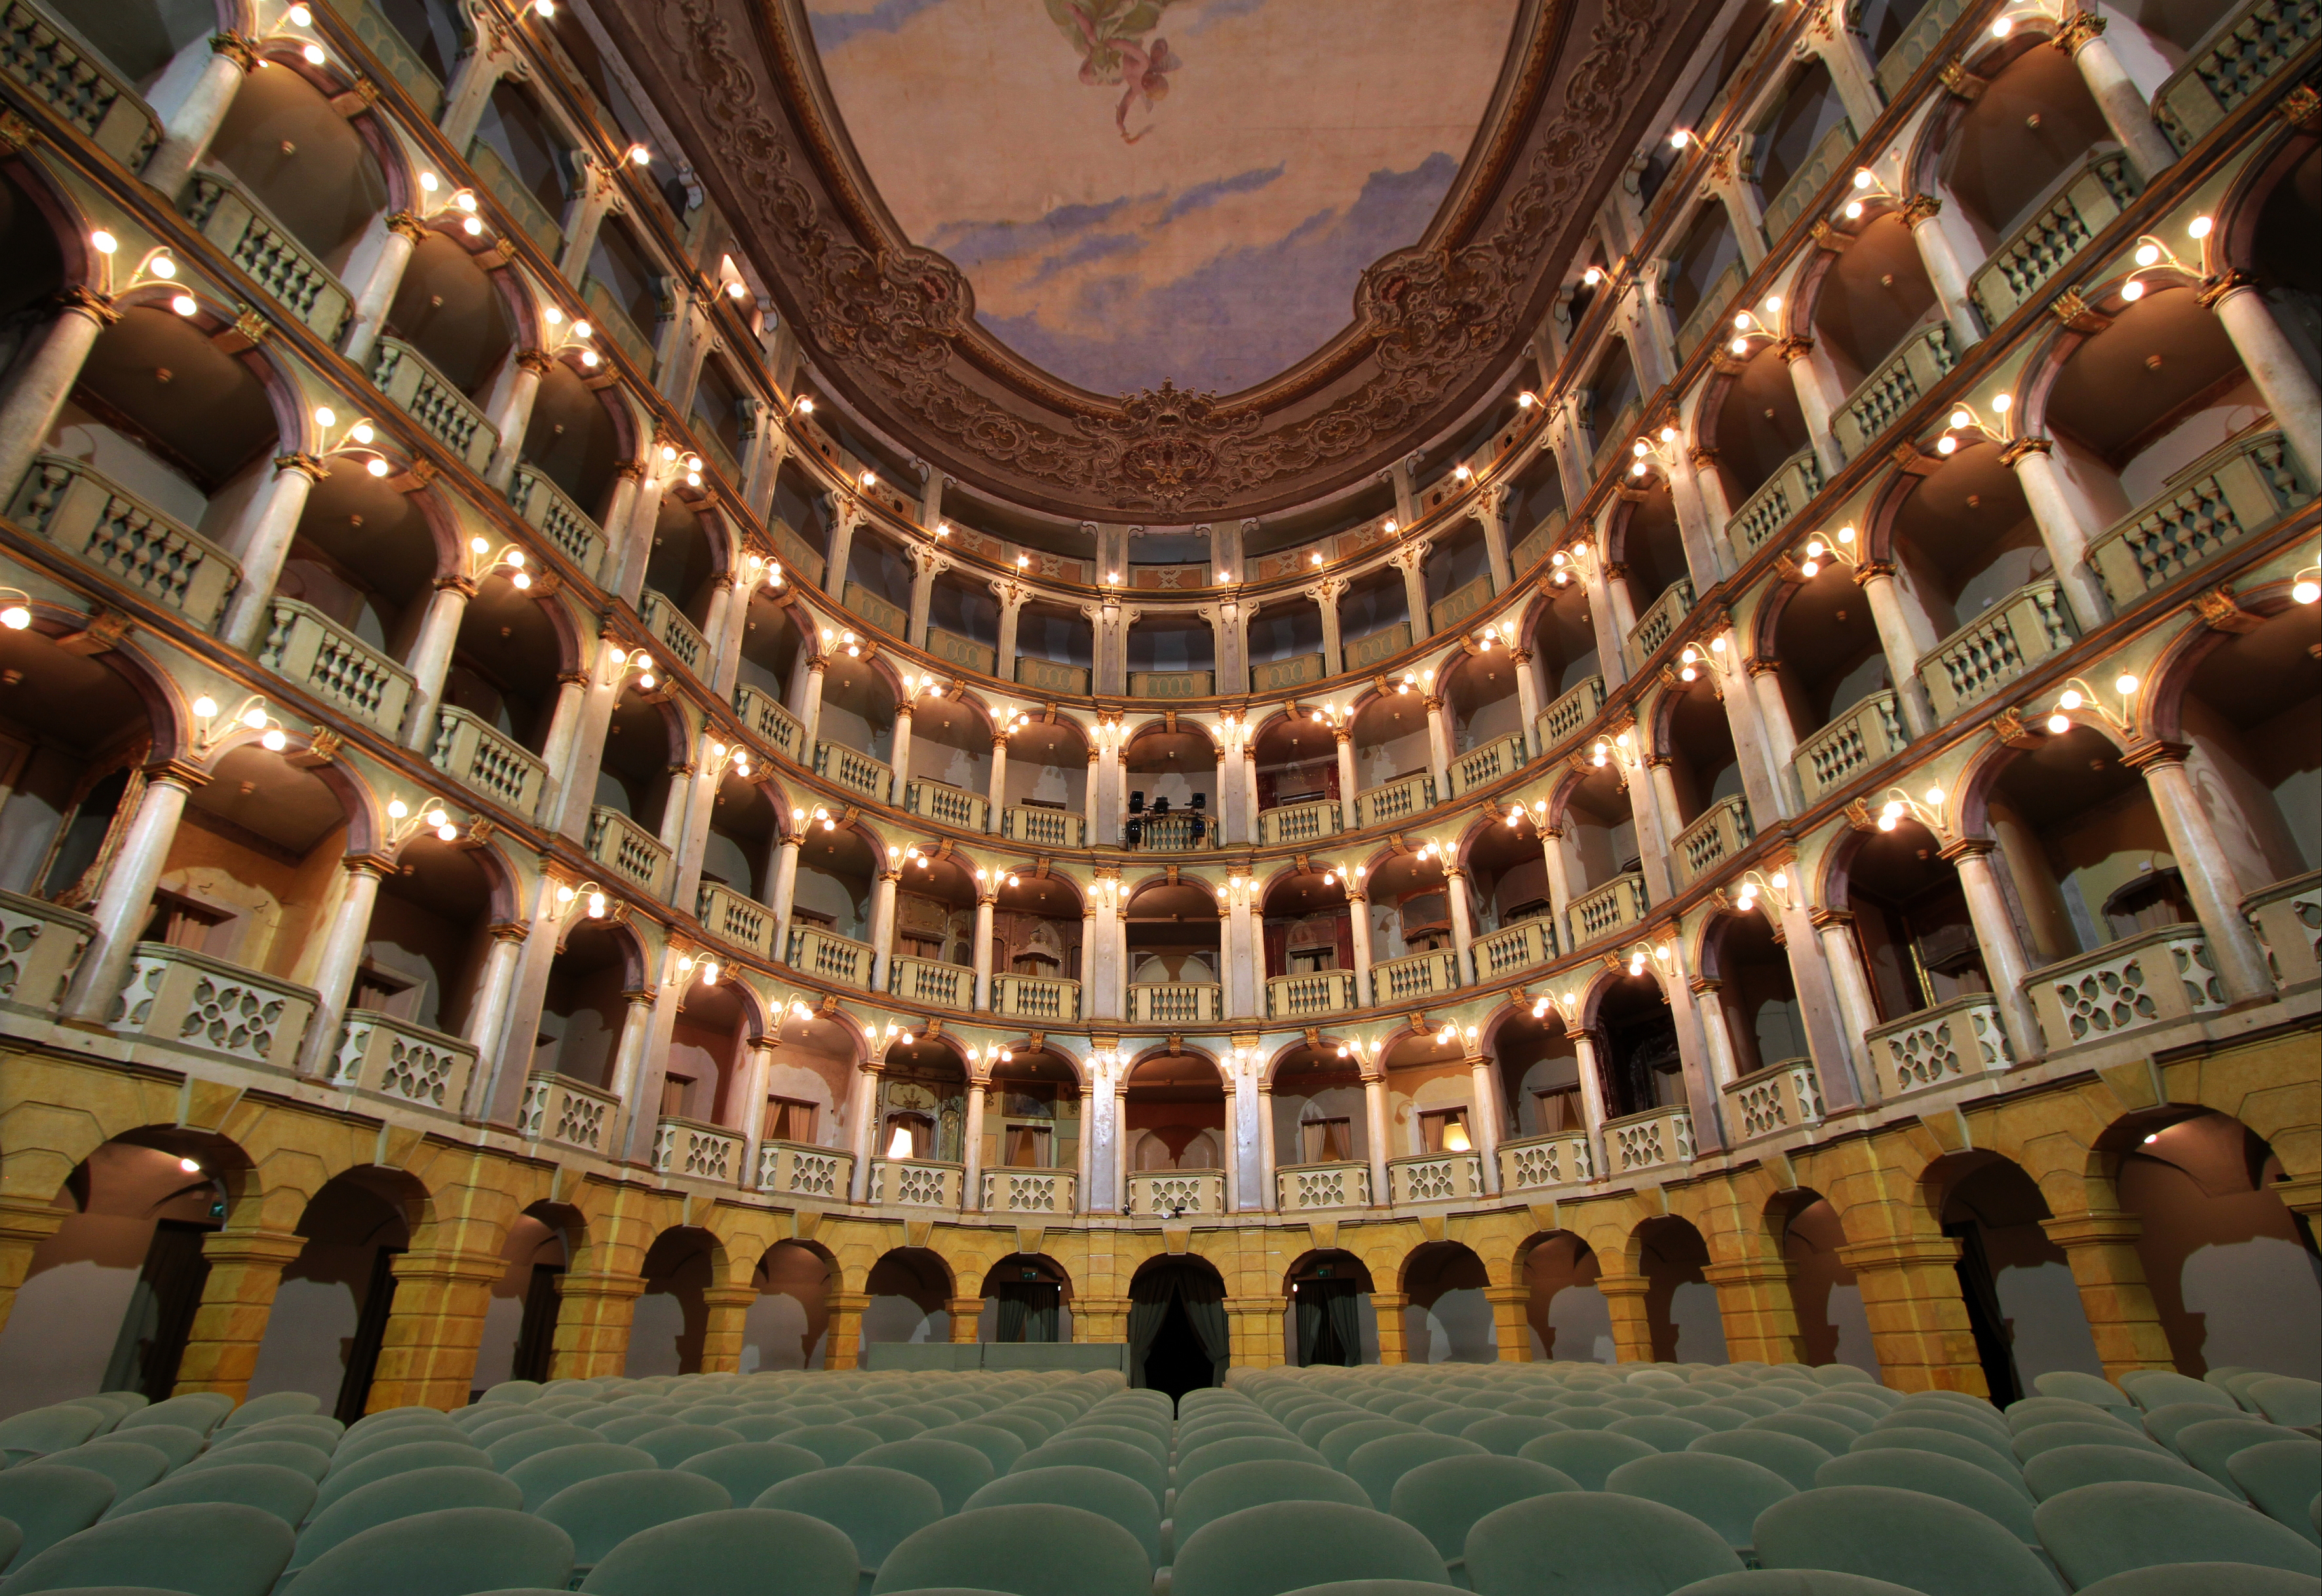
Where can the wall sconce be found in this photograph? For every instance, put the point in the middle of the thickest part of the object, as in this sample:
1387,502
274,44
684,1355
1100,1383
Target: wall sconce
762,569
210,730
993,876
870,479
2154,255
1566,563
902,858
802,822
435,818
1528,399
16,608
914,686
1776,886
1747,324
1012,721
1867,188
1423,680
483,563
1331,715
848,640
793,1008
723,758
461,201
301,15
2305,588
1692,661
1332,876
708,967
1899,804
574,337
1498,632
690,464
2079,695
1618,751
1841,551
594,893
638,661
805,405
1647,452
1964,421
1106,1058
156,265
1364,1053
1451,1034
991,1056
353,443
890,1036
1639,954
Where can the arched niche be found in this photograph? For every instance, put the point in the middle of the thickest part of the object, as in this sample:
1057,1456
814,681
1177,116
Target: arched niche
669,1322
1448,1319
1681,1313
329,1316
2022,1304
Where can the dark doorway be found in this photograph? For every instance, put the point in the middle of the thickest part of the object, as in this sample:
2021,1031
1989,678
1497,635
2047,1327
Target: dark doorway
160,1311
1175,1362
536,1335
1178,1337
370,1331
1981,1295
1328,1329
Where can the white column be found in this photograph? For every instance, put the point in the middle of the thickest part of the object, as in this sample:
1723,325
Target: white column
1560,880
46,380
599,186
126,900
730,621
693,841
431,658
629,1057
2059,530
1709,1009
1819,396
1438,746
1374,1120
982,951
2208,871
1232,1160
1120,1146
750,1104
273,522
2116,93
882,926
900,753
1245,982
1774,721
1359,914
2289,390
1491,512
1088,958
1269,1195
1486,1134
1592,1088
972,1146
1663,777
471,84
1084,1155
844,516
1463,921
632,532
1900,639
1412,561
341,958
1012,612
1326,600
565,723
376,273
1103,794
1857,1009
512,413
1225,817
1946,273
1654,839
865,1127
925,564
996,794
1349,801
1996,936
785,892
494,989
809,709
1528,703
186,132
1851,73
1697,495
1605,620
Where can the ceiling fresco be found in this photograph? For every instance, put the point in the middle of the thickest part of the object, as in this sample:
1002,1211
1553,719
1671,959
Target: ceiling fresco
1151,190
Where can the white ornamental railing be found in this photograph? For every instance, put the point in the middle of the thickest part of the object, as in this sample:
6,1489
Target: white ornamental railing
794,1169
2085,203
1513,948
1036,997
1714,839
309,649
1659,623
1172,1004
41,946
1399,800
1030,1191
1479,767
564,1110
1950,1042
406,380
1563,1158
828,957
1858,742
1298,1187
2288,919
626,848
2155,978
403,1062
1608,909
871,777
545,509
184,999
1570,714
909,1183
1996,647
1044,828
1325,992
486,761
2239,57
1782,1097
1435,1178
768,721
2242,487
1415,975
726,914
939,985
942,802
680,638
1170,1194
693,1150
1908,375
85,514
1301,822
238,225
1656,1138
1781,496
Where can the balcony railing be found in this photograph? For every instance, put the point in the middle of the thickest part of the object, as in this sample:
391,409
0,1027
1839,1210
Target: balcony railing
2086,203
1784,1096
1996,647
1046,676
1941,1046
1512,948
2288,918
800,558
627,849
1480,767
1280,675
1707,316
964,653
1716,836
2239,488
1571,712
1608,909
858,772
1179,831
1910,373
1364,652
77,86
40,945
1036,997
1562,1158
1656,1138
1172,683
1170,1194
486,761
1658,624
829,958
2156,978
406,380
508,189
1435,1178
309,649
940,800
2233,63
1459,603
913,1184
613,319
1030,1191
1779,496
794,1169
1045,828
1830,153
178,998
676,634
1399,800
387,1058
559,1109
727,915
223,212
1539,543
1299,1187
545,509
939,985
103,526
1301,822
1919,41
696,1152
1859,741
1173,1003
1415,975
1325,992
769,722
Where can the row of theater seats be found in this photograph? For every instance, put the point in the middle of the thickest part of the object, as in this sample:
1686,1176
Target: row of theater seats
1510,1479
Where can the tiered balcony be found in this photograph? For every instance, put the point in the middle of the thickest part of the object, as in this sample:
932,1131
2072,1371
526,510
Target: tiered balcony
111,530
559,1109
939,985
487,762
692,1151
1512,948
1049,675
1480,767
2157,978
905,1183
1608,910
1179,831
1459,603
1171,1193
1540,1163
404,1063
1716,838
1435,1178
1571,713
1941,1046
40,945
1910,373
1378,647
547,511
680,640
1044,828
800,558
1416,975
1172,683
1779,496
829,958
627,849
1784,1096
222,211
1284,675
613,319
731,917
1539,543
2287,916
1030,1191
406,380
796,1170
1301,822
54,69
1658,1138
1035,997
2087,202
510,192
174,998
1996,647
2243,486
964,654
1658,624
1858,742
1325,992
309,650
1400,800
770,722
860,773
950,805
1708,317
2237,59
1920,39
1824,162
1155,1004
1302,1187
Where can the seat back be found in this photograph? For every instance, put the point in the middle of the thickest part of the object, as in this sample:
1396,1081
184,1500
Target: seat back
1725,1494
2068,1468
48,1501
285,1493
544,1474
1589,1456
451,1552
956,1470
1923,1542
876,1508
402,1496
1442,1499
206,1549
1100,1491
1595,1541
1281,1547
601,1513
2096,1531
1376,1466
730,1553
1021,1549
1795,1460
2008,1506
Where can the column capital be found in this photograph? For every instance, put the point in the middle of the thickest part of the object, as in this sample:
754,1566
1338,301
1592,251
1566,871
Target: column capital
465,586
2223,286
1867,571
2077,32
369,864
508,930
2154,755
279,1248
2021,447
1891,1252
640,996
1829,919
1965,847
1922,207
2093,1230
237,48
1761,664
300,461
1795,347
538,362
177,773
86,301
404,225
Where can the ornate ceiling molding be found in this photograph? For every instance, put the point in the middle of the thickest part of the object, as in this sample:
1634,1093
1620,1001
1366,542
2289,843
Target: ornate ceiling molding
891,325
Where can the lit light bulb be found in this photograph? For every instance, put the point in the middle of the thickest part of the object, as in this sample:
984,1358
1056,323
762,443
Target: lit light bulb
2148,255
1740,346
16,618
205,707
274,742
595,905
361,432
1593,276
376,466
1810,570
163,267
2306,590
472,227
2003,27
1862,178
104,242
184,305
2124,685
2132,291
582,329
429,182
2067,699
1934,795
254,718
315,55
1744,321
1679,138
1525,401
1947,445
2198,227
1853,210
1959,420
639,155
2059,725
1846,534
194,1167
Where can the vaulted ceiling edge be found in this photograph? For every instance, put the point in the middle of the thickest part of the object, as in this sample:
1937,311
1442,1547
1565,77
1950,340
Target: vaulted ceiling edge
891,325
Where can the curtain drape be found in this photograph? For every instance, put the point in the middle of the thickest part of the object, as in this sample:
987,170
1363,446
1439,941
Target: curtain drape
1010,1323
1205,1308
1040,1313
1346,1321
1277,947
1309,1325
1148,1304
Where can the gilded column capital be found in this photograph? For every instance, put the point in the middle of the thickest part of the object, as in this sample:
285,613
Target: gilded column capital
1922,207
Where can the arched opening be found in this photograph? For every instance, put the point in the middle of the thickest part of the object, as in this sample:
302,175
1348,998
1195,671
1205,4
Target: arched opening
911,1295
1332,1321
586,1004
73,734
922,1106
1602,864
2022,139
1712,816
667,1325
638,795
1635,1042
1756,992
1911,923
2084,848
1320,1120
718,417
2022,1303
1393,765
430,934
1045,800
703,1071
1033,1118
32,272
1374,618
933,946
1172,779
2249,713
364,560
500,694
449,313
1307,929
1028,1299
1459,575
1831,666
858,719
1178,1338
741,855
1872,296
810,1066
1701,276
575,440
1538,1071
963,623
519,1335
1647,556
1479,689
682,576
1833,1326
830,907
1172,655
2286,270
1564,654
1571,1322
1055,648
950,763
786,1327
294,152
1448,1319
1175,965
770,673
1681,1304
1286,646
1431,1100
1964,542
1797,146
1613,405
1176,1131
138,38
525,160
1296,762
1758,428
329,1316
1510,886
108,1297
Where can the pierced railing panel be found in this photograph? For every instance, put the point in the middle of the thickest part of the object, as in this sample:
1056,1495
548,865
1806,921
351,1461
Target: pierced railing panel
1174,1004
2240,56
1909,375
1479,767
939,985
1941,1046
940,800
1858,742
731,917
1415,975
1171,1193
406,382
1399,800
1036,997
1657,1138
1779,496
1716,837
2157,978
402,1063
1513,948
678,635
2242,487
486,761
873,778
559,1109
1298,1187
1435,1178
912,1184
767,720
178,998
627,849
1996,647
1570,714
1659,623
834,959
1562,1158
2087,202
1608,910
1030,1191
1045,828
226,215
545,509
309,649
104,525
58,72
1325,992
795,1169
1301,822
693,1150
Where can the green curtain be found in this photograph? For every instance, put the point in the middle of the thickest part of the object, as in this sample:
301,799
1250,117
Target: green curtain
1310,1324
1346,1319
1011,1323
1205,1308
1148,1304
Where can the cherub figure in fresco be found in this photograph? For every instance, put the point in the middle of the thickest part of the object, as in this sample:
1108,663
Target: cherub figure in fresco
1110,34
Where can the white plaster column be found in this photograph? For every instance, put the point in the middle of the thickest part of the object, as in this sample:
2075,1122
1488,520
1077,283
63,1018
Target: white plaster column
1406,500
882,926
1946,271
1237,1196
1902,638
633,535
1490,511
984,907
1857,1009
1560,880
472,80
1693,488
1349,799
2234,951
1592,1088
509,405
629,1057
750,1104
809,708
1717,1041
766,445
1850,72
1107,974
1269,1196
2273,363
1105,794
494,987
1438,746
125,899
599,189
863,1112
1250,791
661,1024
431,658
846,515
1774,724
1654,839
693,841
1374,1121
187,130
374,273
1463,921
1662,778
785,892
1816,383
567,723
1995,937
1121,1145
1485,1136
2059,530
972,1145
1822,1007
995,793
1088,957
1246,978
272,519
1412,561
1084,1155
1762,783
1528,705
340,957
1740,198
899,752
925,564
932,484
1325,595
1359,915
1225,817
1603,619
1012,610
729,621
45,379
2126,112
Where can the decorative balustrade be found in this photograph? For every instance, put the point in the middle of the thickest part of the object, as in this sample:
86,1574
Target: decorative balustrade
1707,319
369,24
889,618
828,957
793,1170
1607,910
104,525
2236,60
486,761
1179,831
2087,202
2156,978
679,636
962,653
178,998
1941,1046
693,1150
1399,800
860,773
1832,154
1920,39
627,849
911,1183
547,511
405,1063
309,650
557,1108
730,917
767,720
1656,1138
1570,714
1049,675
1996,647
1459,603
1784,1096
54,68
1766,512
1511,948
800,558
406,380
1325,992
1858,742
1716,836
613,320
2288,919
1659,623
1036,997
1536,545
1172,683
1479,767
1171,1193
222,211
1415,975
1535,1164
1030,1191
1909,375
2243,486
1280,675
942,802
513,195
1299,1186
1378,647
1301,822
939,985
1174,1004
1435,1178
1045,828
1171,578
40,945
